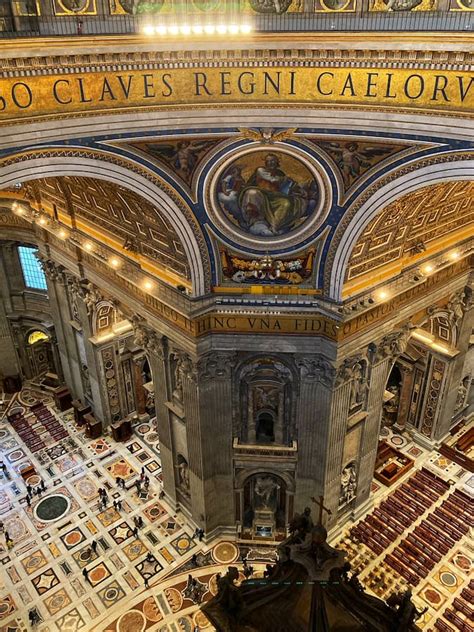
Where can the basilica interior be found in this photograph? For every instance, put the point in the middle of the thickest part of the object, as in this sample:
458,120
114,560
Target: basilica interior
236,315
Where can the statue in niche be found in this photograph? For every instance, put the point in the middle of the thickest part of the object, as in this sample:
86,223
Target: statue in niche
178,379
390,407
462,393
266,397
265,492
183,474
150,402
348,484
358,385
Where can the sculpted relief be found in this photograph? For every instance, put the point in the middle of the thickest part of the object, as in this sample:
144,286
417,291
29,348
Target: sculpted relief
267,194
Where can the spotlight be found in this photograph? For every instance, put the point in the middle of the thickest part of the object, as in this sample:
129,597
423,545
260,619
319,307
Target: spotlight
197,29
114,262
88,246
209,29
185,29
222,29
382,295
428,269
454,256
148,29
173,29
43,221
245,29
161,30
62,234
233,29
148,285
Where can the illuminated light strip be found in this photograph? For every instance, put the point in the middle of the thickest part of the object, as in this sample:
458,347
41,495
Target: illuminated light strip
196,29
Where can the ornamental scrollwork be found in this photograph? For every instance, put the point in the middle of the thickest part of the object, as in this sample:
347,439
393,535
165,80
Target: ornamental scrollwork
394,344
52,270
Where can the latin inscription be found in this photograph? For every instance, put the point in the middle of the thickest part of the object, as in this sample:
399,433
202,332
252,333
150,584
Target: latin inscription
53,94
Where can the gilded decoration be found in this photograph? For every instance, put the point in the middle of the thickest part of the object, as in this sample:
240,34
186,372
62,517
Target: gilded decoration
419,217
181,155
369,191
74,7
120,211
335,6
275,7
27,8
462,5
268,270
267,194
188,84
403,5
354,158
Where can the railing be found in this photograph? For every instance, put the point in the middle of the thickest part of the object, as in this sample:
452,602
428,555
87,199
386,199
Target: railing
265,451
15,22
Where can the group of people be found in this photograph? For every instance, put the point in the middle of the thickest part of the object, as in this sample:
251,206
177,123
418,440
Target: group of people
32,491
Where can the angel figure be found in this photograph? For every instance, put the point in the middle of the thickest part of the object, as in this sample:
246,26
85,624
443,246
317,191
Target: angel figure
182,155
351,158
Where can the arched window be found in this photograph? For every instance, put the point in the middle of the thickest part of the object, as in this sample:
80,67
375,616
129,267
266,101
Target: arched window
33,274
36,336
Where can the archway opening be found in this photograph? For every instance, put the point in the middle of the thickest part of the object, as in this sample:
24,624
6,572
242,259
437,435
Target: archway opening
265,428
265,505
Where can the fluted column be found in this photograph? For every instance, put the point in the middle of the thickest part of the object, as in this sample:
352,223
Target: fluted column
215,390
61,315
370,435
313,415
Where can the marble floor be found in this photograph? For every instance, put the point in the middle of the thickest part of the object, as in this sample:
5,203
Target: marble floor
52,539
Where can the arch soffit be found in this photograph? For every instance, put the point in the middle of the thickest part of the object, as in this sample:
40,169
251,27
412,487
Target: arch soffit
365,208
52,163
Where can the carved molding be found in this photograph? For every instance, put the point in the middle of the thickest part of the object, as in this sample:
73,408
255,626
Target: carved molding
52,270
148,340
394,344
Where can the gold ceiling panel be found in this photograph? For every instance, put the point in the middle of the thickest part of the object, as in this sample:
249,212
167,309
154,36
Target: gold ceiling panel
122,213
423,217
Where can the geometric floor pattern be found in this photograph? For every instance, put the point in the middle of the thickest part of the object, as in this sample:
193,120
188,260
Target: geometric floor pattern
45,568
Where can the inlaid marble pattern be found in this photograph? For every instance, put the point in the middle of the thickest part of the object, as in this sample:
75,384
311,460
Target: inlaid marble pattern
45,570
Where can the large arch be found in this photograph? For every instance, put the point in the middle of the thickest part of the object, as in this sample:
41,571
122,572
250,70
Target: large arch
130,176
359,215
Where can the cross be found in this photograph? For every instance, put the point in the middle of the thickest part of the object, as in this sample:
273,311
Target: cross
321,508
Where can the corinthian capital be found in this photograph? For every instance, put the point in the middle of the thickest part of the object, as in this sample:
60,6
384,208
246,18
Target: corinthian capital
145,338
216,365
52,270
316,369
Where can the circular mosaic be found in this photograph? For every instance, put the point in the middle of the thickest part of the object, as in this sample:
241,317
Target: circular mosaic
397,440
151,610
143,429
111,593
201,621
152,437
448,579
85,555
52,508
225,552
3,433
432,596
33,480
384,432
131,621
174,598
263,196
16,455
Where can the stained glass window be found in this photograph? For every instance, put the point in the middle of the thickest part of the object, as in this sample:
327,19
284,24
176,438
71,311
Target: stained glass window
32,271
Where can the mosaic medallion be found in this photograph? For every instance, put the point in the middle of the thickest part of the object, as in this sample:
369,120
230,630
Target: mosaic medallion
52,508
133,620
121,532
225,553
134,549
109,516
7,606
73,538
86,488
34,562
201,621
462,561
98,574
84,556
16,455
57,601
70,622
151,437
432,596
154,512
143,429
174,599
182,544
111,594
45,581
121,468
151,610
